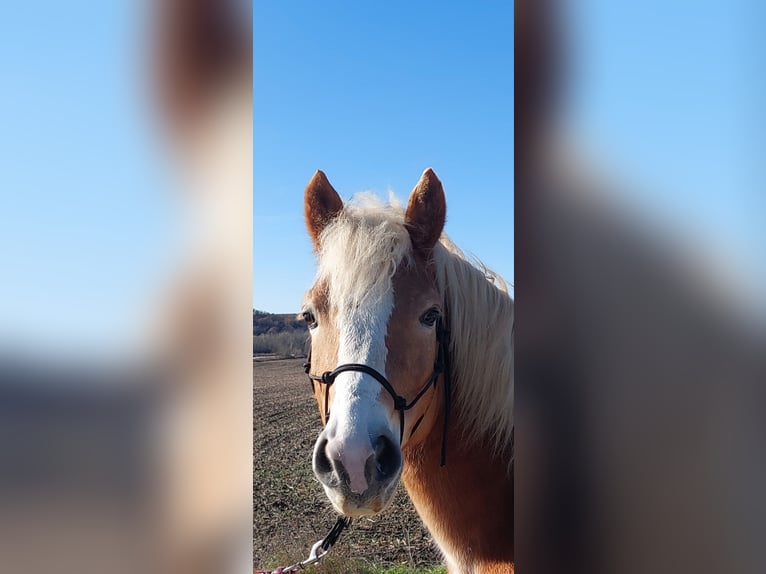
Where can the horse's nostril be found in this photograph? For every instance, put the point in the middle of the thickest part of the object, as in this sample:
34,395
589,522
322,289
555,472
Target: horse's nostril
357,468
388,457
322,462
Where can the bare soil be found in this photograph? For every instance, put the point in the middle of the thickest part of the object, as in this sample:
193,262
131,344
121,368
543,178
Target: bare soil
290,509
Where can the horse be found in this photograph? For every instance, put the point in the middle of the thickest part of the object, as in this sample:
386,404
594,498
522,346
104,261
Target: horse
411,365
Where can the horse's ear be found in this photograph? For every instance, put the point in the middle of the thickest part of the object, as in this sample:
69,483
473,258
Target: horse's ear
321,205
426,212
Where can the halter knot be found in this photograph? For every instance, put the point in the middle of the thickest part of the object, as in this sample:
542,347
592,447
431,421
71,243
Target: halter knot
328,377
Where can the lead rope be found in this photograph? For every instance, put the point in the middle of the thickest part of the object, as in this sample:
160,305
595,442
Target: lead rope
318,551
443,335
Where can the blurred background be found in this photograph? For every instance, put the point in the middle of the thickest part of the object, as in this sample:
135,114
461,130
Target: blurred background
640,331
126,242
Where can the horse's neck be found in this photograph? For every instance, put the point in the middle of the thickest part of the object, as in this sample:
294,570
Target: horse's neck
467,505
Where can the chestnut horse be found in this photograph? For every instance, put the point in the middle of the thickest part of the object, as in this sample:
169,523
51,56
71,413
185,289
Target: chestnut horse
411,364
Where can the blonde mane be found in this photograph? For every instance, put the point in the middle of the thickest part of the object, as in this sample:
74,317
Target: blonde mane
480,319
361,250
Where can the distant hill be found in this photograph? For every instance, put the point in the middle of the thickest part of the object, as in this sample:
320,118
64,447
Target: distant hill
280,334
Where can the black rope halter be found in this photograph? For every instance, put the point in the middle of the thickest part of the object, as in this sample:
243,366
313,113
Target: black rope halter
441,366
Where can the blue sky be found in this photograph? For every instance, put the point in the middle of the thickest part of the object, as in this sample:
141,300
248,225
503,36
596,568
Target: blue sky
372,94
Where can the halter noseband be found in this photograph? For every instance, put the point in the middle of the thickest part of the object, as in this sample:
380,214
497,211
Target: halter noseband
441,366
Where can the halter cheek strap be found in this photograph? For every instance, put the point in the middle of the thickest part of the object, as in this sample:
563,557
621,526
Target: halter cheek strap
441,366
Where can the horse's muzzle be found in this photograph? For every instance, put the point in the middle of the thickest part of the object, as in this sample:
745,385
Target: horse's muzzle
359,476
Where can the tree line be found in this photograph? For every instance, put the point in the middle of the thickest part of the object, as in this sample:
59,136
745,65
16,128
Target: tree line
282,334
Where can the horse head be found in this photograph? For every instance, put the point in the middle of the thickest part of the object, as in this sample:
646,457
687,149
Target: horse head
375,317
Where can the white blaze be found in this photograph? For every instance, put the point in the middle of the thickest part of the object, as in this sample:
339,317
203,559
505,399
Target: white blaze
358,416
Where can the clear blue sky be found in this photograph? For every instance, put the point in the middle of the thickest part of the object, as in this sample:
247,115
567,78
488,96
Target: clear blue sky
372,94
669,93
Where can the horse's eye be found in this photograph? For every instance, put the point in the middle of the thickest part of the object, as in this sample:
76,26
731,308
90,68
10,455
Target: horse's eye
308,316
430,317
